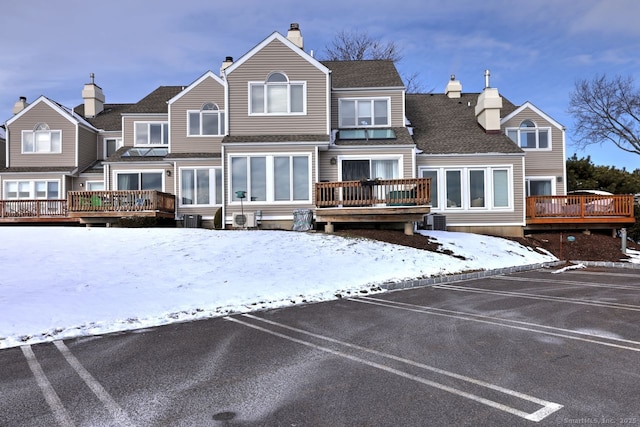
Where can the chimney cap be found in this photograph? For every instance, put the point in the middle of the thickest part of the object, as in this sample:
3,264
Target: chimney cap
23,99
228,59
294,26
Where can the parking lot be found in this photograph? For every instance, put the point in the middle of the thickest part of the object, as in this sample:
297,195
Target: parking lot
533,348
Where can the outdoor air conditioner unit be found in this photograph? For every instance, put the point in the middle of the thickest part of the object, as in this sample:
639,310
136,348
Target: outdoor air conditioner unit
243,220
435,222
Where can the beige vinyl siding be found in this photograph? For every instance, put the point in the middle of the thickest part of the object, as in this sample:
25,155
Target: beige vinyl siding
3,153
277,57
208,90
167,182
329,172
277,210
128,133
42,113
479,216
540,162
101,138
206,211
87,147
396,99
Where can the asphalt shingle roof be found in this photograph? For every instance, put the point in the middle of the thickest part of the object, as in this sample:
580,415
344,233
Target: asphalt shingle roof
156,101
363,74
444,125
109,119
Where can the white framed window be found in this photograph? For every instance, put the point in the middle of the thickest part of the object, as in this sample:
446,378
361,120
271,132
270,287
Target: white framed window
200,186
41,140
111,145
95,185
208,121
277,95
358,168
530,137
139,180
29,190
151,133
271,178
470,188
540,186
364,112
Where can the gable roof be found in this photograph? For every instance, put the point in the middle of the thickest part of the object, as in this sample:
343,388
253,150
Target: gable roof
375,73
156,101
529,105
277,36
444,125
208,75
109,119
65,112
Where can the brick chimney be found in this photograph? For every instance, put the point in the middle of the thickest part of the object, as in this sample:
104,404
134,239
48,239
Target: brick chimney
454,88
295,36
20,105
488,107
93,98
225,64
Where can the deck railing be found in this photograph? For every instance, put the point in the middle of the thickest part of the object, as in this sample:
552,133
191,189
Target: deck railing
377,192
580,208
121,201
41,208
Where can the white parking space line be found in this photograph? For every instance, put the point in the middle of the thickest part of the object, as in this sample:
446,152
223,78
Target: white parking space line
547,407
630,307
507,323
569,282
50,395
116,411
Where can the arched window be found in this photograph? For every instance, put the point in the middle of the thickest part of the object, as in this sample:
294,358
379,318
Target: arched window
208,121
277,95
529,136
42,140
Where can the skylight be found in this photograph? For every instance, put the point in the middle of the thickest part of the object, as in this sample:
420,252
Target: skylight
146,152
366,134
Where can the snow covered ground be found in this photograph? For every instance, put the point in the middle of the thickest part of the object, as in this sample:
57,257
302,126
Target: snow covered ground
64,282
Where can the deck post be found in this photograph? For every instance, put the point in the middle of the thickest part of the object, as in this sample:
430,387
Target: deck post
408,228
328,228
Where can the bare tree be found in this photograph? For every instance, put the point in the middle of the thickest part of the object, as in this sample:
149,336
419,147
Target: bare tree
607,110
356,45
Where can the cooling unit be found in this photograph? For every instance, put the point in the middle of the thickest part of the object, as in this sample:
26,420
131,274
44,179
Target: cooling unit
243,220
435,222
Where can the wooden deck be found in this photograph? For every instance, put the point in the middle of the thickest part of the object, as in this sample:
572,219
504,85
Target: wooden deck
89,207
373,201
579,211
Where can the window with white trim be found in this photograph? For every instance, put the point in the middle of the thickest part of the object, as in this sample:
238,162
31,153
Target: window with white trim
41,140
277,95
539,186
364,112
139,180
200,186
46,189
470,188
208,121
151,133
111,145
95,185
530,137
272,178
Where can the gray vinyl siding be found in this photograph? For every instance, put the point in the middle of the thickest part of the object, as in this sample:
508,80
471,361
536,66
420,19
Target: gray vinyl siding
42,113
397,104
269,209
277,57
128,133
208,90
87,148
3,153
329,172
487,216
539,162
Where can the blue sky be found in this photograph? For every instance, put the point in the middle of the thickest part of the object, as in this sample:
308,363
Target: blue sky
535,49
